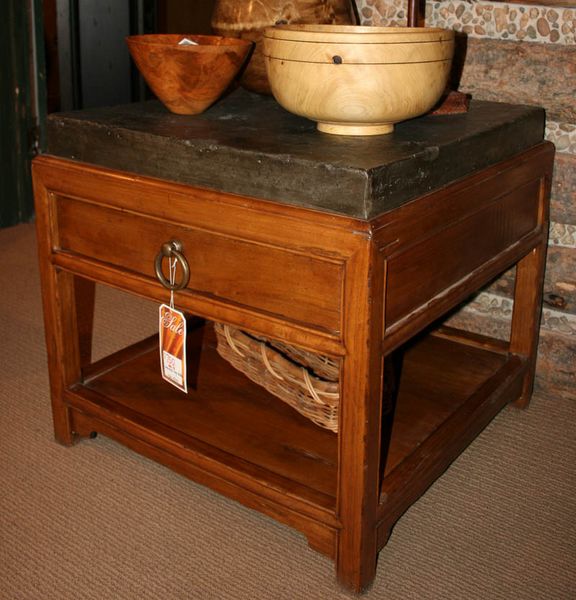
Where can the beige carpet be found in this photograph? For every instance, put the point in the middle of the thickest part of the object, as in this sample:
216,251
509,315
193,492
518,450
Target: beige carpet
99,522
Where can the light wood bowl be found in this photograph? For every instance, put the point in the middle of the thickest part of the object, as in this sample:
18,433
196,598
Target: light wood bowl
357,80
188,79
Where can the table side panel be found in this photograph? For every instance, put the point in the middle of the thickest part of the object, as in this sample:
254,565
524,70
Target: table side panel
434,211
442,247
421,272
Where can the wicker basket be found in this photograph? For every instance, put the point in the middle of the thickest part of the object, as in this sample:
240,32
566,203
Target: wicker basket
307,382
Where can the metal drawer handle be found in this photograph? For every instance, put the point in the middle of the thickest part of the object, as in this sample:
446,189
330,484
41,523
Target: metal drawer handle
172,249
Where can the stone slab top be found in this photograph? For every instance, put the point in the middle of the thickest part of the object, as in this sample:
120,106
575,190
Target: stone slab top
248,144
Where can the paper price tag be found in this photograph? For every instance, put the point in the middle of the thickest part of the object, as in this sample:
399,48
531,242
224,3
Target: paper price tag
172,326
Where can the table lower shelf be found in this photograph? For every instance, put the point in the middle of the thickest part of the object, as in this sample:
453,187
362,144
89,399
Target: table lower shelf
232,435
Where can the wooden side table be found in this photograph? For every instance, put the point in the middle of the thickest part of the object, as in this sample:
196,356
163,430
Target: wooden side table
369,292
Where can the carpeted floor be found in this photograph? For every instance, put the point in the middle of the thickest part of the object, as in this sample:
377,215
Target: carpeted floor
97,521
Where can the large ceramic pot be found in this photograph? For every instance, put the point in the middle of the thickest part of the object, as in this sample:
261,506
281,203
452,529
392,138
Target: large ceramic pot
248,19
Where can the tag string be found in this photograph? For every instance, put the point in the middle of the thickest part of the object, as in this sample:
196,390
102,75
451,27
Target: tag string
172,267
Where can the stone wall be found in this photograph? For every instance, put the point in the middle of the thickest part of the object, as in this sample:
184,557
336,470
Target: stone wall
523,54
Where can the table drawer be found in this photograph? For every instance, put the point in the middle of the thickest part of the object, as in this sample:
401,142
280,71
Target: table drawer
264,278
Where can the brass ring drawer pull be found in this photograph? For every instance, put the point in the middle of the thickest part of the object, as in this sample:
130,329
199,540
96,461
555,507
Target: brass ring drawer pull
172,249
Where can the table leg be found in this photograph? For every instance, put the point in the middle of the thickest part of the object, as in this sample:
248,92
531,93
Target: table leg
68,304
526,315
360,425
358,486
62,343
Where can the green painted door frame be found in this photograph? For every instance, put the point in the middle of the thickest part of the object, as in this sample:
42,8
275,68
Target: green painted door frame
22,105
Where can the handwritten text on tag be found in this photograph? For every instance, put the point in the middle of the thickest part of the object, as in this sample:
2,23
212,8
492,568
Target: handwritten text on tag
172,326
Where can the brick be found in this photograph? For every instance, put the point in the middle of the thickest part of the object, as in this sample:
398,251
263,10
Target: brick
555,365
520,72
555,371
560,279
563,201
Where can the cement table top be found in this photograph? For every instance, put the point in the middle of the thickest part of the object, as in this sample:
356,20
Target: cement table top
247,144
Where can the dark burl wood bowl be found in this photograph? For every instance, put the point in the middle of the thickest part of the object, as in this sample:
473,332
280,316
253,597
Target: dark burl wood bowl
188,78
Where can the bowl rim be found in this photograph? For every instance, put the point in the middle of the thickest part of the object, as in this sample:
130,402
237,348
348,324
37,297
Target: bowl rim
170,40
357,34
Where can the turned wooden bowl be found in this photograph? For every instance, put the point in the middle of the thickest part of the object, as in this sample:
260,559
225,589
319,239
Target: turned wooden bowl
188,78
248,20
356,80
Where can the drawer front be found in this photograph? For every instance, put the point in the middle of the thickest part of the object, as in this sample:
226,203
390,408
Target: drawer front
264,278
423,271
